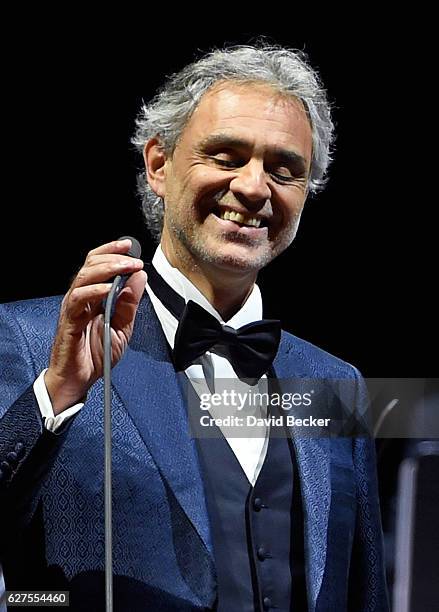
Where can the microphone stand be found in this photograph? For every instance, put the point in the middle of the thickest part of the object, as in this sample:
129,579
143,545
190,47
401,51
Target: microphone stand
115,288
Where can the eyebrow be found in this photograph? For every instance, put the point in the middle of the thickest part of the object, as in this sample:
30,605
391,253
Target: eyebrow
284,155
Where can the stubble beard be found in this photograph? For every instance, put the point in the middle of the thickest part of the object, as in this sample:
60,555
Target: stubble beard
192,241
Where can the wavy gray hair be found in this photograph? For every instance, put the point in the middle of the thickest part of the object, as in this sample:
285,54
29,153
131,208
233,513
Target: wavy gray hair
286,70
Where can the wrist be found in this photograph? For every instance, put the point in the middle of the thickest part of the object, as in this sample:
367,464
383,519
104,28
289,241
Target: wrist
61,396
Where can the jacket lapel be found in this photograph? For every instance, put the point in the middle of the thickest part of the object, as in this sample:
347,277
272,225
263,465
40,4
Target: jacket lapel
147,383
313,458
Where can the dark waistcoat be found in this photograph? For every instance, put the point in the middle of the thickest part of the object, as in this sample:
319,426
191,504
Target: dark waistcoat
257,531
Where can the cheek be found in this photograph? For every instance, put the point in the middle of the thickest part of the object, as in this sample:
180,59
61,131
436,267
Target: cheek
207,183
189,189
292,209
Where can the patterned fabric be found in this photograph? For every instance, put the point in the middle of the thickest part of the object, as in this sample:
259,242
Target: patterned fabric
51,524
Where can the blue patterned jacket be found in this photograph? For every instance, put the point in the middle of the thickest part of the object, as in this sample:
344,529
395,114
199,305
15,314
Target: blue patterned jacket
51,494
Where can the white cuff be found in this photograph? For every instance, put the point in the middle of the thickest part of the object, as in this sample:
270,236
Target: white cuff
51,422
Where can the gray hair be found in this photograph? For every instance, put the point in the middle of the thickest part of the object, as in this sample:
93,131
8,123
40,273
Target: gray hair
286,70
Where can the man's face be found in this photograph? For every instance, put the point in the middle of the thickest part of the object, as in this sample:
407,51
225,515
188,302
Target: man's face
235,186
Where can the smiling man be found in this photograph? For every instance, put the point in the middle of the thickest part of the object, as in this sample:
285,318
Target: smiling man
232,146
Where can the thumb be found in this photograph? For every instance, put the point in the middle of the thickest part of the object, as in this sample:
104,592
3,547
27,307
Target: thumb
134,288
128,300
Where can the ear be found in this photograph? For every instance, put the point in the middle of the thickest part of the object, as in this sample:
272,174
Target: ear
155,161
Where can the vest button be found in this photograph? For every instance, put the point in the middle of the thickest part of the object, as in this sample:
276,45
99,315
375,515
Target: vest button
267,603
262,553
257,503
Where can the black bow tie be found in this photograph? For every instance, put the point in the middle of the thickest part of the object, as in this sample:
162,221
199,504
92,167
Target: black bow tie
250,349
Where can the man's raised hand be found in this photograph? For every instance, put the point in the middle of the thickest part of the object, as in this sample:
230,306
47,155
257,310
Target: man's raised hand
77,358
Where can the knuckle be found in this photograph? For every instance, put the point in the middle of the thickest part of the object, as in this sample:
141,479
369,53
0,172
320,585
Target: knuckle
80,277
74,296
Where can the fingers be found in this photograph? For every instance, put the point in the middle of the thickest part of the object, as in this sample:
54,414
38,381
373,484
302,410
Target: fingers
116,246
101,268
111,259
91,285
86,302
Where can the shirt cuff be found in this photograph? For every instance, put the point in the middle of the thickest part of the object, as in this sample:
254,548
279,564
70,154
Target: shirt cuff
52,422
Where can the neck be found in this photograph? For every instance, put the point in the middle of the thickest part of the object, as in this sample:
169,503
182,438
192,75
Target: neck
225,289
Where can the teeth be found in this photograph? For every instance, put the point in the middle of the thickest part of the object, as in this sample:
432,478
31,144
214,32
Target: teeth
230,215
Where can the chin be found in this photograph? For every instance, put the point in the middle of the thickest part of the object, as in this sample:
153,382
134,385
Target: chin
238,259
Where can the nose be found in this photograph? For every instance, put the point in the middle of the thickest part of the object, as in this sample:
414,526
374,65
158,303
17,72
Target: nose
251,183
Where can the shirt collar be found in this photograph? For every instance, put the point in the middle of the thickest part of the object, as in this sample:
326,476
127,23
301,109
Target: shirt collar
250,311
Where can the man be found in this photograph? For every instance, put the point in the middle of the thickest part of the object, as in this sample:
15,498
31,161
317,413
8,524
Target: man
232,146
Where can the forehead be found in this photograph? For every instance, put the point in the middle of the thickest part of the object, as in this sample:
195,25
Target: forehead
255,113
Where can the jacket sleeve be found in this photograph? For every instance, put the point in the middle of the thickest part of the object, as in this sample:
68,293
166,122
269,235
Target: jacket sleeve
367,582
27,449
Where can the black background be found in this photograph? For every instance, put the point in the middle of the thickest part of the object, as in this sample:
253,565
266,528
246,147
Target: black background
359,279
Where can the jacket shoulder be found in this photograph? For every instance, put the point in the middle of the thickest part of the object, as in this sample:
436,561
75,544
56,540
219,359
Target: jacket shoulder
39,307
27,329
31,318
315,361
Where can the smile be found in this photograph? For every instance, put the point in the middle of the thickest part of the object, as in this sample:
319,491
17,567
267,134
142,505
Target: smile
239,218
